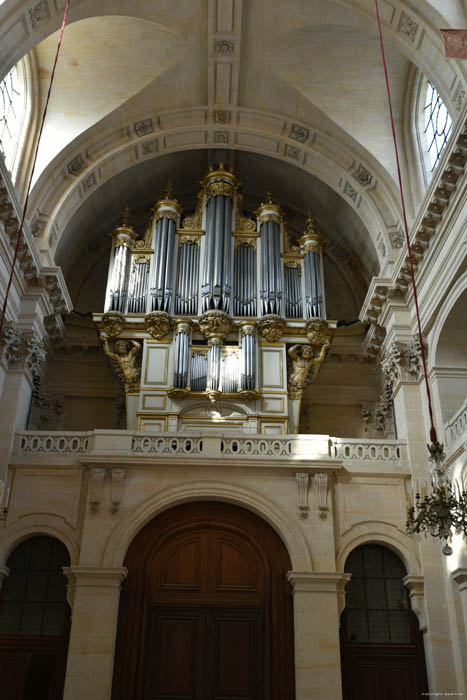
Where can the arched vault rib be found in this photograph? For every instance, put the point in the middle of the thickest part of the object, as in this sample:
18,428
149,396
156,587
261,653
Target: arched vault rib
79,171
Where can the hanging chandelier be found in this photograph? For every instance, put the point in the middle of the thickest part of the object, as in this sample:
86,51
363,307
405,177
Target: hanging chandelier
442,511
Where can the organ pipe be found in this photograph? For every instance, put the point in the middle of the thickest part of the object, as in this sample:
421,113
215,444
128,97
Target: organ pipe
248,357
166,214
313,245
211,262
120,261
182,354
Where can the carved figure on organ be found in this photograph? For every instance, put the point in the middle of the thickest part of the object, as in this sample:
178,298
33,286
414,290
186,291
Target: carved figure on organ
304,357
125,358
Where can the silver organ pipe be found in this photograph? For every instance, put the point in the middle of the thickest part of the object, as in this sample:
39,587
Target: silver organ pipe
213,382
186,298
313,246
138,285
248,357
293,292
270,218
182,355
245,280
120,261
198,370
219,187
166,214
229,370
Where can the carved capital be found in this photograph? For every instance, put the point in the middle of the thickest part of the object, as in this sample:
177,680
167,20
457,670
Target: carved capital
158,324
402,362
22,350
271,327
112,323
215,325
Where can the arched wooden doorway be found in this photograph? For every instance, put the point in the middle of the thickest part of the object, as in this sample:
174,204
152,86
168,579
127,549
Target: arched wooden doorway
381,644
206,610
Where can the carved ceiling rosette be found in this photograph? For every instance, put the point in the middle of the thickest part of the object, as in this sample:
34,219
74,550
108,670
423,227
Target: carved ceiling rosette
271,327
158,324
113,323
215,324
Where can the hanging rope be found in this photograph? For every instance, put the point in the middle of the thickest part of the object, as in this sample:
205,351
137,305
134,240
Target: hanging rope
28,191
433,436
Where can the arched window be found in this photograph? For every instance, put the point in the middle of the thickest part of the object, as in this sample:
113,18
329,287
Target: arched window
434,125
16,113
382,647
34,621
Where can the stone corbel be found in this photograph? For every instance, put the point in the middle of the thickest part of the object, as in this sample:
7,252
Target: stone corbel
116,488
320,487
302,494
96,486
415,585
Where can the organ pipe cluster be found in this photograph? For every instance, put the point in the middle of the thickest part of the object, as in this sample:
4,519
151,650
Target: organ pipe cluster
216,260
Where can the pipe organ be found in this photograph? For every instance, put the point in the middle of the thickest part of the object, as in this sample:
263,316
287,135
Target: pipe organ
215,300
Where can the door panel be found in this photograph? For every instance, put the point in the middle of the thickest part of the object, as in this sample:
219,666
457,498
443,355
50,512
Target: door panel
175,666
235,660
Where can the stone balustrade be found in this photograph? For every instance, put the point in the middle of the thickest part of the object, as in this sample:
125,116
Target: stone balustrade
455,429
48,447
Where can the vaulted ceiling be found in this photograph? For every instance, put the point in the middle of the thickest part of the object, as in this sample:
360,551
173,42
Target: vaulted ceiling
296,86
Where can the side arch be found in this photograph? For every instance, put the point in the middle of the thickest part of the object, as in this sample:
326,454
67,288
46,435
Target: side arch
34,525
374,532
126,530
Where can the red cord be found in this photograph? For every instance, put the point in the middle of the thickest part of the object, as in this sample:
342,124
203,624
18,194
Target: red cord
433,436
20,232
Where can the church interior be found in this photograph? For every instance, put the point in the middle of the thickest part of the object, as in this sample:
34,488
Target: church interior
233,349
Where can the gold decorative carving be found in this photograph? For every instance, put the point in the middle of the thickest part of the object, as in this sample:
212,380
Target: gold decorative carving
220,182
248,395
312,241
165,213
244,238
215,325
124,360
167,207
195,221
269,211
317,332
192,237
123,234
304,358
248,327
112,323
178,393
271,327
242,223
158,324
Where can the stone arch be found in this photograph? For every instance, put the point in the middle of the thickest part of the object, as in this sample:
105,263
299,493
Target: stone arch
134,521
374,532
449,303
36,525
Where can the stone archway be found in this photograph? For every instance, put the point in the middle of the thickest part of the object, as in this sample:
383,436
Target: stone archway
207,581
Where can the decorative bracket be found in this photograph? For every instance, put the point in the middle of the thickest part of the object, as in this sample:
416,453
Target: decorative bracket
320,484
96,488
302,494
118,478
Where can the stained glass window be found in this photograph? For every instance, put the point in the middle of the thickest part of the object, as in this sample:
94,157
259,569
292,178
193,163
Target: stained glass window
377,605
33,597
438,124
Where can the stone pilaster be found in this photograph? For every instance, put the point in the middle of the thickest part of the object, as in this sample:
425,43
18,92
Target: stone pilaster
319,598
94,594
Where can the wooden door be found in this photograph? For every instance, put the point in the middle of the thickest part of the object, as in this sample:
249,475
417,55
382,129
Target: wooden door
206,610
